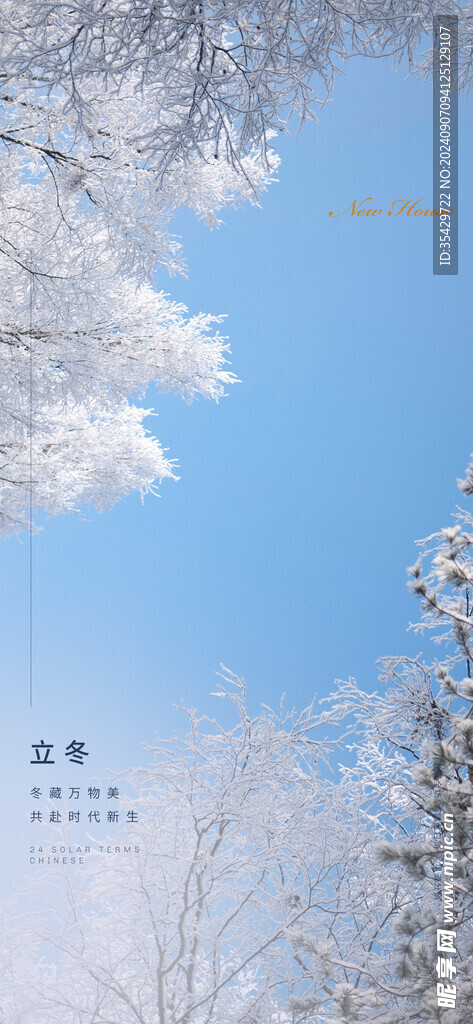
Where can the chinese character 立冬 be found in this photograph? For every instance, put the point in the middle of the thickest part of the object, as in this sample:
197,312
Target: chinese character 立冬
93,793
76,753
42,749
55,793
35,793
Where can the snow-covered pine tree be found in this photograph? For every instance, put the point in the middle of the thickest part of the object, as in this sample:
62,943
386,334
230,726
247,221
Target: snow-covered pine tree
412,779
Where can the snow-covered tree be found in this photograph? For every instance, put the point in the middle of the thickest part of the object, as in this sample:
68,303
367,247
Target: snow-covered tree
289,865
83,329
219,74
374,958
412,778
280,878
113,116
270,883
69,434
237,848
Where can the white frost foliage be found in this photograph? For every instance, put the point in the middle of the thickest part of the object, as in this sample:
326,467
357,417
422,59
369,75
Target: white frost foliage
220,74
135,338
78,459
89,193
114,116
256,889
65,382
84,228
230,852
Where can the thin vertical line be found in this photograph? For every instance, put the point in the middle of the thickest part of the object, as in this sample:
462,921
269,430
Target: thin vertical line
31,498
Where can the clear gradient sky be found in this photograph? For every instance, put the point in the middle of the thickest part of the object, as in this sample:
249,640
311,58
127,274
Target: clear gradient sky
282,549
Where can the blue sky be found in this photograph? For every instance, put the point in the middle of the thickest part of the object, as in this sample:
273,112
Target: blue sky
282,549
